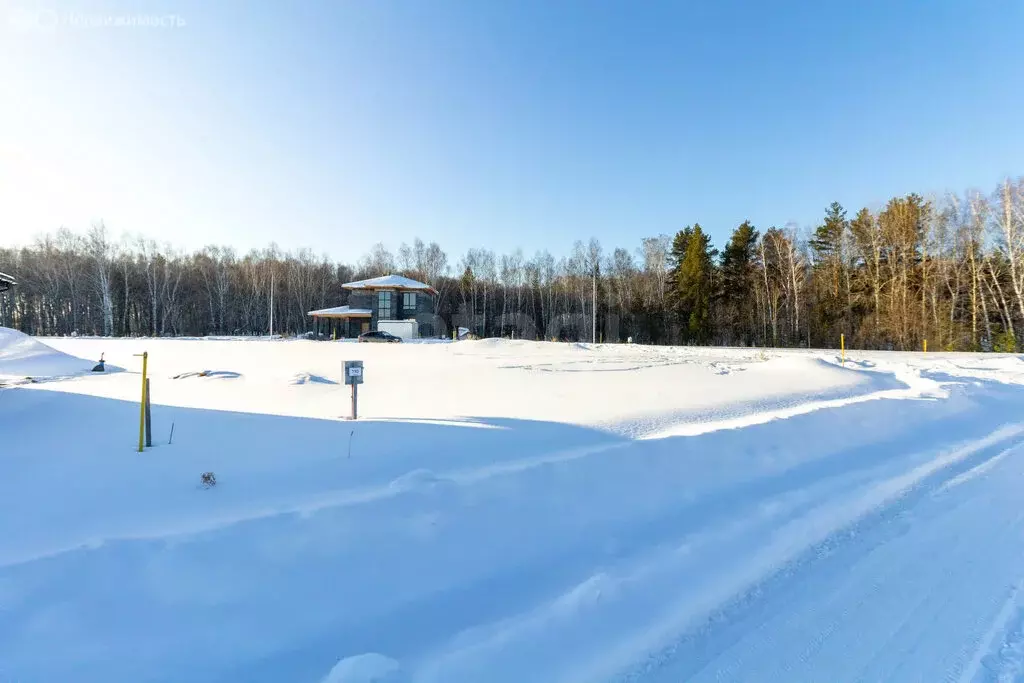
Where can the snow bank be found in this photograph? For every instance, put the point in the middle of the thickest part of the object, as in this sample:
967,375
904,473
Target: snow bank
309,378
23,357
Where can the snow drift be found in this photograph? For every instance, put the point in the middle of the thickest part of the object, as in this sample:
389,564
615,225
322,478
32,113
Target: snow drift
22,357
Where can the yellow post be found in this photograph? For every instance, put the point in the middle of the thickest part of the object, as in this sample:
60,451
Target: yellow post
142,405
842,347
926,346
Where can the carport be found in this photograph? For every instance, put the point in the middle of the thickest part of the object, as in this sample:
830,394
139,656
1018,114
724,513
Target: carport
343,321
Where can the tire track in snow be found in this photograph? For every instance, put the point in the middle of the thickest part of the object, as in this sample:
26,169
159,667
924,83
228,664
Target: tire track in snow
977,470
839,538
752,632
1006,664
999,627
767,635
647,587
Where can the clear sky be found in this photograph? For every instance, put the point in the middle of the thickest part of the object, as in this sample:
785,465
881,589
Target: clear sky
497,123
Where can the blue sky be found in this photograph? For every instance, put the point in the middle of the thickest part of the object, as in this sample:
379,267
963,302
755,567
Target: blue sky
520,123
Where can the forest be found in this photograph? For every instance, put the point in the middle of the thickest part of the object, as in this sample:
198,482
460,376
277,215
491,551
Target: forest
949,270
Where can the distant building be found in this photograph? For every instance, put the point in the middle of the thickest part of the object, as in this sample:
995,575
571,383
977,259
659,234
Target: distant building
6,282
394,303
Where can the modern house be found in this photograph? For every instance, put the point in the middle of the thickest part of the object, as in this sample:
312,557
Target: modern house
6,282
393,303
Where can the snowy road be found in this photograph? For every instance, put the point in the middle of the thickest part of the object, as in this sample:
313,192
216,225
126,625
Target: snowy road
862,524
926,588
887,567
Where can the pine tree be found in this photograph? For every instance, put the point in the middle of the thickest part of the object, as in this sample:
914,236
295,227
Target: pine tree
828,237
830,266
871,254
679,244
738,283
678,255
694,285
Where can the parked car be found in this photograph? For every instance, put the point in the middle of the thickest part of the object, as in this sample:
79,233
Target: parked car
379,336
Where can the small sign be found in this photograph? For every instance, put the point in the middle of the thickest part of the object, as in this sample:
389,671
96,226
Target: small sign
353,372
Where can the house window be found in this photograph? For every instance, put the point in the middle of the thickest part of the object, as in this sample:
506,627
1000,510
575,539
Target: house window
384,305
409,301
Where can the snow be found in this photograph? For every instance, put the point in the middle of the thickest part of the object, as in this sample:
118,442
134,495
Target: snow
384,281
508,511
366,668
340,311
24,358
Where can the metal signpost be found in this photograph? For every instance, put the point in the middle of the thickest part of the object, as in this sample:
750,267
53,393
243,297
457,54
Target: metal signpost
354,377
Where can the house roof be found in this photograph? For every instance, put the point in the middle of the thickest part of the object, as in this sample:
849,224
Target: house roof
6,282
390,282
341,312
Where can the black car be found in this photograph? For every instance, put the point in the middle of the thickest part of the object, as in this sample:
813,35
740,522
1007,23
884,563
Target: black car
379,336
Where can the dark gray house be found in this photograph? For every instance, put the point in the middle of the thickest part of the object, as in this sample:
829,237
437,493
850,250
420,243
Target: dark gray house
394,303
6,282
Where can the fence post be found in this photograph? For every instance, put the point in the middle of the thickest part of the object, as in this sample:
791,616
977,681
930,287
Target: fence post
149,424
842,348
142,401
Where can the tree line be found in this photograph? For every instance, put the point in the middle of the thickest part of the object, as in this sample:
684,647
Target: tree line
948,270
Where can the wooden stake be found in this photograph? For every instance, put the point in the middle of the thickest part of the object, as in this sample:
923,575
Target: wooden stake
142,403
149,424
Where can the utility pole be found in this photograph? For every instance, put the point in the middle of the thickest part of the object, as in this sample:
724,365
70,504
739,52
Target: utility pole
271,301
593,309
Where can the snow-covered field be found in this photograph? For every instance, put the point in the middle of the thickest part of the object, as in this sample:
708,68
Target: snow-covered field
509,512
